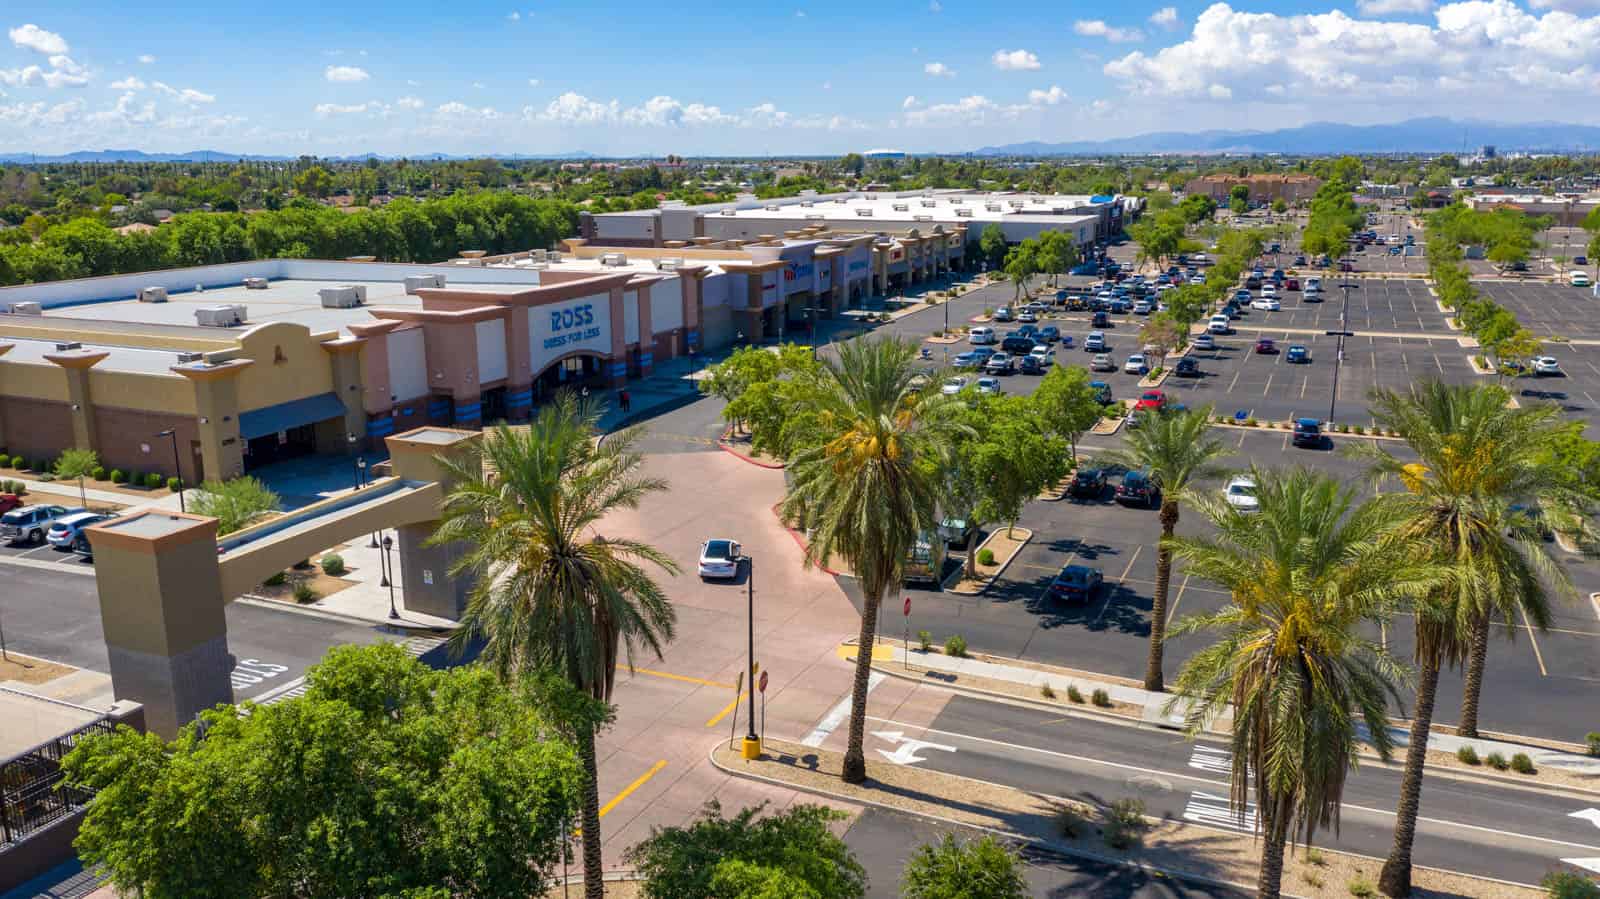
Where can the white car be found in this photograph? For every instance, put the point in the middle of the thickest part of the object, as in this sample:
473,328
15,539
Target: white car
1027,316
1142,307
1102,362
1219,324
1203,341
64,530
1266,304
719,559
1578,279
1241,493
1546,365
1268,290
988,385
1135,365
953,386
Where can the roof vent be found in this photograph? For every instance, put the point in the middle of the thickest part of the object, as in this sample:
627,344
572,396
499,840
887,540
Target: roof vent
928,204
22,308
614,259
255,284
815,217
69,345
668,265
992,207
220,316
963,213
901,207
772,207
864,212
922,218
190,358
729,211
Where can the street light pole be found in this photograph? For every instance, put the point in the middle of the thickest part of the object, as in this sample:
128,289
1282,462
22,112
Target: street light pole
388,542
177,470
752,742
1343,332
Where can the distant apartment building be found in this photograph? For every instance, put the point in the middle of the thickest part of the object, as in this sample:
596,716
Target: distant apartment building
1263,188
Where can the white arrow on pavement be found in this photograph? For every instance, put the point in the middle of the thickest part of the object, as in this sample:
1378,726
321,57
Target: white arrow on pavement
1588,864
906,752
1592,815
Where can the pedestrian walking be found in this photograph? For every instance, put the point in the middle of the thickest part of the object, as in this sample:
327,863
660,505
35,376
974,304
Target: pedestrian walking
625,401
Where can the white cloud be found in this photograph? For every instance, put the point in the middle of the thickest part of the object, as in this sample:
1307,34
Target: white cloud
345,74
1573,6
766,115
1098,28
63,72
909,102
533,82
970,110
1395,7
934,6
126,112
1014,60
514,16
1165,17
461,111
327,110
130,83
799,13
575,109
32,37
1219,92
665,111
1054,96
478,85
409,103
146,58
939,70
187,95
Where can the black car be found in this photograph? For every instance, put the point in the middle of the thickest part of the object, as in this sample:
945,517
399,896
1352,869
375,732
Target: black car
1017,344
1100,320
1307,433
1088,483
1076,582
1580,260
1137,489
1187,368
1048,334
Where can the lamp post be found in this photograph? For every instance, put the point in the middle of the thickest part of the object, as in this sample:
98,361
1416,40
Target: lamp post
752,742
1338,359
388,543
172,434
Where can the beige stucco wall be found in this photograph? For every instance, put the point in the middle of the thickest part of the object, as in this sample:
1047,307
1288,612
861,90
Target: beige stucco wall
151,393
304,369
34,380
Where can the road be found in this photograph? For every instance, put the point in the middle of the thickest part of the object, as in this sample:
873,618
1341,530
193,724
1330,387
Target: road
1507,832
57,616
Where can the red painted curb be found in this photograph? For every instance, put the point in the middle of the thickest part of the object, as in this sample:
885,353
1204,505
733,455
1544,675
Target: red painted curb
800,540
723,445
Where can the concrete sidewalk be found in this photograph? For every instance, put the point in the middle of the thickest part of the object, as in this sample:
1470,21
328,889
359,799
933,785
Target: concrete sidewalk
1155,703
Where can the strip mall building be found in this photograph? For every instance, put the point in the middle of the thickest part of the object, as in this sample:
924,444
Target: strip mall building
256,362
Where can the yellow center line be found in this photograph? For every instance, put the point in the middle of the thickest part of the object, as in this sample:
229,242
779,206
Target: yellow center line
725,710
638,782
677,677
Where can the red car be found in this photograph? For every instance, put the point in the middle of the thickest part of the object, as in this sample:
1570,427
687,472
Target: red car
1291,284
1346,267
9,501
1150,399
1266,346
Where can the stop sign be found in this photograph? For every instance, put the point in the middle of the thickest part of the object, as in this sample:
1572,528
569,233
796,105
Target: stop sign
907,611
763,686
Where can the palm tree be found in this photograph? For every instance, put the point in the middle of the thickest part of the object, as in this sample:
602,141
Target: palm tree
868,483
551,594
1290,664
1174,448
1477,460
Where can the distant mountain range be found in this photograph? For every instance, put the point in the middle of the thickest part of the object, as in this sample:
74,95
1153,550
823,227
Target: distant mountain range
1411,136
220,156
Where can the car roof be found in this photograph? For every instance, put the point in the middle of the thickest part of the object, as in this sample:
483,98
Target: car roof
76,517
1307,421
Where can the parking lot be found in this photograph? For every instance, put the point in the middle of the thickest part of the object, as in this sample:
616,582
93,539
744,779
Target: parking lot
43,552
1546,309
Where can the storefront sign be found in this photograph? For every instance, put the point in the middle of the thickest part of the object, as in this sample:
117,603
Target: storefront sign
798,272
573,326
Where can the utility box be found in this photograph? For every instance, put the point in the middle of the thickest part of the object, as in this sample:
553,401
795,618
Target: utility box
227,316
415,283
152,294
255,284
347,296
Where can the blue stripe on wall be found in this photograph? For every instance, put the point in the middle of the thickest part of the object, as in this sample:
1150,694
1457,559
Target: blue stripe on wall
647,358
619,369
692,337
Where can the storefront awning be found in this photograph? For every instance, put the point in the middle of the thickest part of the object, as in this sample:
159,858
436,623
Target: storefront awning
293,414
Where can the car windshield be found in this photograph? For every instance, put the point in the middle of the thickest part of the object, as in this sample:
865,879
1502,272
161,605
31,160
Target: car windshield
1152,397
1242,489
719,549
1074,576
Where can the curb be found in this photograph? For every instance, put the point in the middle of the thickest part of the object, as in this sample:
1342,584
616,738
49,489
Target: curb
800,540
46,566
723,445
998,571
1032,841
250,599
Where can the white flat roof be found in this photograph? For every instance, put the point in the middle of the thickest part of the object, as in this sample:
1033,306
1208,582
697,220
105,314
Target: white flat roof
284,300
940,209
120,358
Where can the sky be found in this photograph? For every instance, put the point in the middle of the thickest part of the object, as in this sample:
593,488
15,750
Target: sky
407,77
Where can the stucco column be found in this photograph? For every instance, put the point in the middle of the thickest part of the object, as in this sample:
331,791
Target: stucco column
161,611
690,285
344,359
378,397
4,348
519,373
647,333
216,404
425,570
75,364
452,351
616,368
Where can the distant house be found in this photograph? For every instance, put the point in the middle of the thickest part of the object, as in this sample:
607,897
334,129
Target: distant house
162,215
136,228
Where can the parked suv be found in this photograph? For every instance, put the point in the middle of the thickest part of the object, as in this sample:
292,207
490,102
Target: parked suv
64,531
30,523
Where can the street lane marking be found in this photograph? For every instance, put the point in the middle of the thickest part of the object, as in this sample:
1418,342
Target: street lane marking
1537,655
905,753
667,675
717,718
1212,759
819,734
638,782
1218,811
1592,815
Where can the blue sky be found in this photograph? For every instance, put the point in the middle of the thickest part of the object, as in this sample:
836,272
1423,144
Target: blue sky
336,78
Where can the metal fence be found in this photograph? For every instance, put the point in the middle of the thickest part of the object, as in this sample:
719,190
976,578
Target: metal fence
32,796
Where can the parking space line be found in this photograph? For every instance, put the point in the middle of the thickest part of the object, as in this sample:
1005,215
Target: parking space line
1267,389
667,675
627,791
1134,558
1172,610
1537,655
717,718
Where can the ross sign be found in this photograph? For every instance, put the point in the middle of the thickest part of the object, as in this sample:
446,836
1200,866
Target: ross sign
907,606
556,330
763,682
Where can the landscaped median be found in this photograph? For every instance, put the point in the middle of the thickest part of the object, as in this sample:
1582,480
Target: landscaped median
1003,545
1118,833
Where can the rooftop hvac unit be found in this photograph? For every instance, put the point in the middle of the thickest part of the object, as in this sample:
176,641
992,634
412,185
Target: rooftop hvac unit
614,259
553,256
538,255
922,218
963,213
669,264
872,196
929,204
992,207
901,207
772,207
1016,204
806,204
190,358
220,316
69,345
729,211
864,212
345,297
23,308
815,217
415,283
152,294
255,284
956,201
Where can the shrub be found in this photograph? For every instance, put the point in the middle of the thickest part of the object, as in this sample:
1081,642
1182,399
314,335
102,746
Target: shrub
986,556
333,564
47,477
1101,698
16,462
1593,739
956,646
1250,422
153,480
1047,692
174,484
1497,761
276,580
1360,886
303,592
1314,856
117,477
1070,822
924,640
1521,764
1124,823
99,473
1075,694
1569,885
1467,755
1312,879
1360,429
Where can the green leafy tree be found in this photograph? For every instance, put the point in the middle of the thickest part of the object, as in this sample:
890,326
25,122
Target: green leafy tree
1163,332
870,483
964,869
1057,254
1304,573
767,404
1066,405
1477,460
552,593
992,244
384,779
1022,263
744,368
236,504
751,855
1279,207
76,464
1010,458
1176,450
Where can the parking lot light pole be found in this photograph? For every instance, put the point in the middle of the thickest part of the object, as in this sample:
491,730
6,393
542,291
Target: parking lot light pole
177,471
752,742
388,543
1338,359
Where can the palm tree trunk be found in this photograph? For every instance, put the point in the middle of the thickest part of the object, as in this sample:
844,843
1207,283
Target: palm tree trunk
855,754
594,886
1473,687
1275,833
1395,880
1154,678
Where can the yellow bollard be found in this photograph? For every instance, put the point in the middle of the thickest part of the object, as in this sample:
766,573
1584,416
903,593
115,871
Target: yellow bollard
752,749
